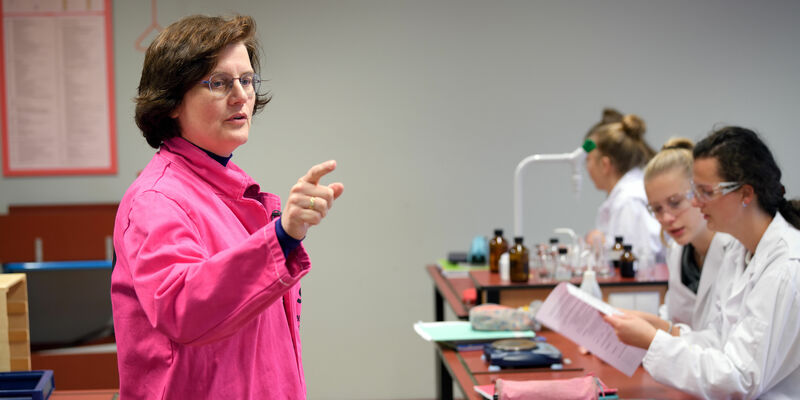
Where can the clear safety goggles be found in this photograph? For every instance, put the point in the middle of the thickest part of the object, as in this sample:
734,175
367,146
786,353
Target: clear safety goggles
674,205
706,193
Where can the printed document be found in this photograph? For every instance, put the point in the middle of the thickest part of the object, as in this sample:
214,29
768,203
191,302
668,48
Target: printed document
574,314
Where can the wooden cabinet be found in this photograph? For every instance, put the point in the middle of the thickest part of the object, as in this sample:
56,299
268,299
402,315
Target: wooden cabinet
15,350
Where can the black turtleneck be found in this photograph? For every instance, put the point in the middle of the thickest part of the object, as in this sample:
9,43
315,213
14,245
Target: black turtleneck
220,159
287,242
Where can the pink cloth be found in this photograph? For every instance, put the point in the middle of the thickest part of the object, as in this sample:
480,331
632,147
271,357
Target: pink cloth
583,388
205,305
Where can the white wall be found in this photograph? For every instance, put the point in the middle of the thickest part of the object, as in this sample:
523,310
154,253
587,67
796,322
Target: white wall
428,106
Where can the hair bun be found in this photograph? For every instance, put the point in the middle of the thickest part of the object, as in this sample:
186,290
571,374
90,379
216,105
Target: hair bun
633,126
678,143
610,116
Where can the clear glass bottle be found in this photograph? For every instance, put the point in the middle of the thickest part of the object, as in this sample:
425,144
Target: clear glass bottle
627,261
541,263
577,253
563,269
497,246
554,248
616,251
518,260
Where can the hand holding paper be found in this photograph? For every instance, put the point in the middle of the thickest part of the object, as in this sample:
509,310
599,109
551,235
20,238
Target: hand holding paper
573,314
632,330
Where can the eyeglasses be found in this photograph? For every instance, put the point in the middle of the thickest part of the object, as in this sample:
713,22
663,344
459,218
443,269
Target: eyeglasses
220,84
675,204
706,193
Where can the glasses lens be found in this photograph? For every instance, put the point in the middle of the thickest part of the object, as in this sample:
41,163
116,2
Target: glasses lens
676,203
221,84
700,194
253,83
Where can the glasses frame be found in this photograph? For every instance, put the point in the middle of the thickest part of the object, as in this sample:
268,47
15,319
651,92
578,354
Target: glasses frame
672,210
255,84
723,188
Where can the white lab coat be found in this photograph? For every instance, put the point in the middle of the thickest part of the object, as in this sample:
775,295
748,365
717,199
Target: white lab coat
752,349
624,213
682,306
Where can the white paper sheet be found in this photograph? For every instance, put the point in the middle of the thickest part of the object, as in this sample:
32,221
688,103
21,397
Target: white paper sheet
575,315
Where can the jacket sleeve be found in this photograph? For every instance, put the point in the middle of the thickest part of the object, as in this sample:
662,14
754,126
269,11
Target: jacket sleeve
759,352
192,296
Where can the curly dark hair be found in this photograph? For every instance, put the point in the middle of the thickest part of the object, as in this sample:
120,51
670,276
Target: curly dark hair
179,57
743,157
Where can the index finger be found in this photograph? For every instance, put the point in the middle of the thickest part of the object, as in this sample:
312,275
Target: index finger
318,171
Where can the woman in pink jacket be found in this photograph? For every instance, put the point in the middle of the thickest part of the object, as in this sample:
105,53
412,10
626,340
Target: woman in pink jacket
206,287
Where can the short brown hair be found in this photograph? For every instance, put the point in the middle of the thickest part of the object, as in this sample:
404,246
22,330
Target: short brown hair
179,57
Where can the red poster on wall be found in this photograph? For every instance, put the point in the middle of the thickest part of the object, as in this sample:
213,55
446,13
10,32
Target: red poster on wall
57,87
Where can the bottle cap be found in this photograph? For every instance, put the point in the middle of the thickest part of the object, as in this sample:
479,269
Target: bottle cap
618,239
518,240
627,247
553,240
562,250
498,232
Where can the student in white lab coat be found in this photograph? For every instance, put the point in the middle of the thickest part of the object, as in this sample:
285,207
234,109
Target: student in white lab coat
695,255
615,166
752,349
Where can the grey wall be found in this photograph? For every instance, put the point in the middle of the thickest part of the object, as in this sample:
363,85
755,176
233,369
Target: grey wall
428,106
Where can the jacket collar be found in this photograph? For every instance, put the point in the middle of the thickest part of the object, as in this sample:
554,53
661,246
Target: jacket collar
227,180
779,234
630,185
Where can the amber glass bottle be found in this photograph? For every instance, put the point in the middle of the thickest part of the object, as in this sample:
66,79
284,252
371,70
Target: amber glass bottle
518,261
497,246
616,251
626,262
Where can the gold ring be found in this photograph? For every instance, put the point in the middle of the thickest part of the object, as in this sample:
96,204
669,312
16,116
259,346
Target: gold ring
311,204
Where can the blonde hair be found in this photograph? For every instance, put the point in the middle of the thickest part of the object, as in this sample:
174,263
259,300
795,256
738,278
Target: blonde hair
676,154
623,142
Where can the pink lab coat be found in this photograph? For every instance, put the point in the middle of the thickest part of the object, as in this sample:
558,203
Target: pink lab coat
205,304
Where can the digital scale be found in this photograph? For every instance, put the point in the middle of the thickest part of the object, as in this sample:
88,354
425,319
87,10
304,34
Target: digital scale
521,353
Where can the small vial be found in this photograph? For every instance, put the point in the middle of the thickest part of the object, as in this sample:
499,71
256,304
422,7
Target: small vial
627,268
505,268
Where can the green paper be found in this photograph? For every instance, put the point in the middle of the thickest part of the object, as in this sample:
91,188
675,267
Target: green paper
461,331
